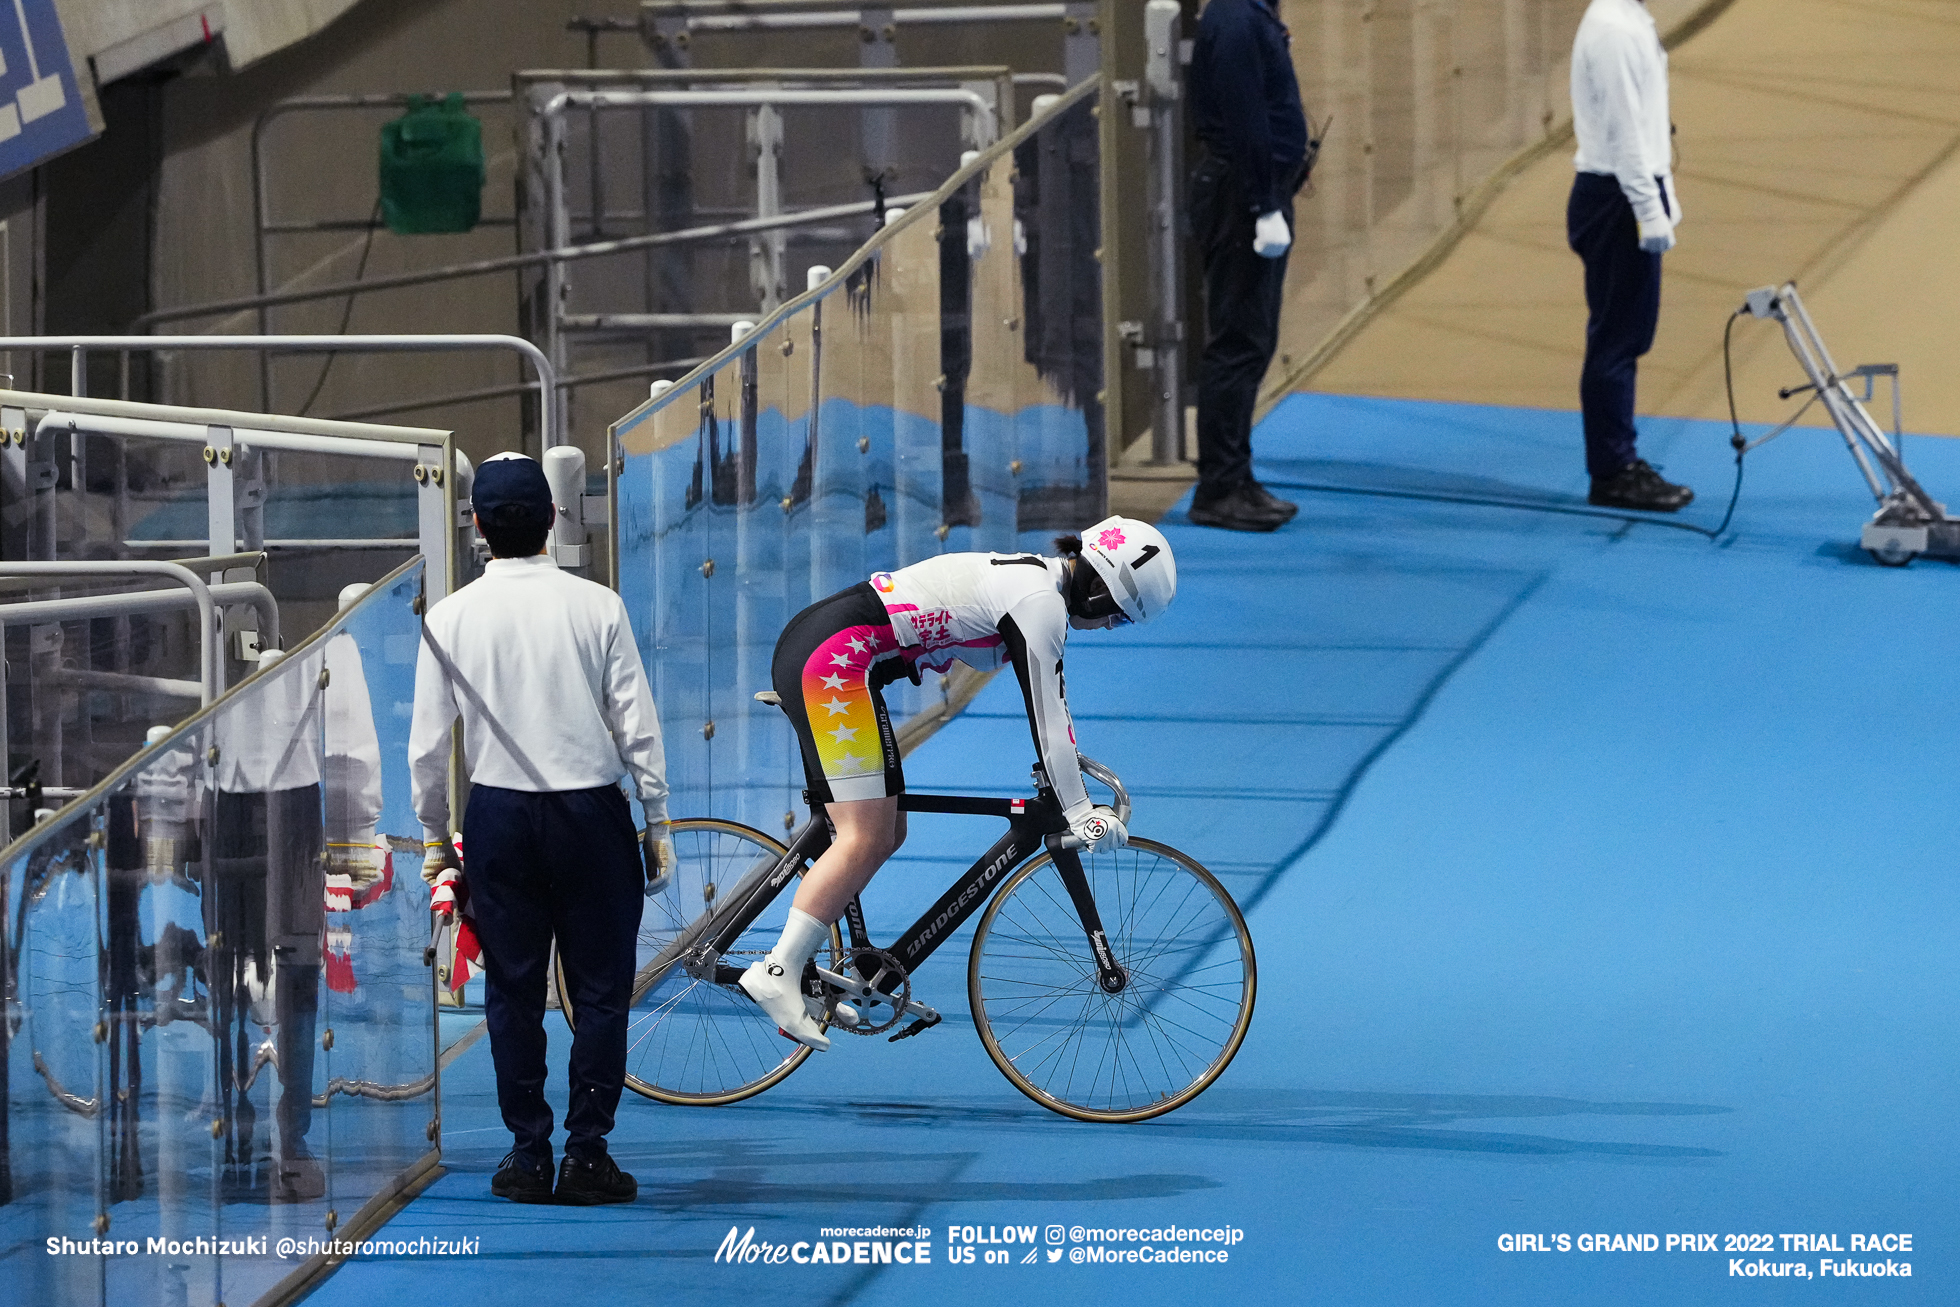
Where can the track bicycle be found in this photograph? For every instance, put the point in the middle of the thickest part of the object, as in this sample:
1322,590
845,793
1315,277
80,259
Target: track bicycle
1109,987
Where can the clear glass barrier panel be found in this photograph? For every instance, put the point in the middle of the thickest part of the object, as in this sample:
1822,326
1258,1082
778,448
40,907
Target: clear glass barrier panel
219,982
943,395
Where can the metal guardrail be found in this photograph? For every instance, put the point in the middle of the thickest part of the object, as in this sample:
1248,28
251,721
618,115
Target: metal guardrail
195,590
546,382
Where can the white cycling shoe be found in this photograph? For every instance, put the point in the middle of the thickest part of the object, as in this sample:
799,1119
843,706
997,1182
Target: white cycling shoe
780,996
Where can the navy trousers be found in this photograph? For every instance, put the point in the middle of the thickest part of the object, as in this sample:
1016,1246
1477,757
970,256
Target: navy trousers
1242,301
1623,304
565,864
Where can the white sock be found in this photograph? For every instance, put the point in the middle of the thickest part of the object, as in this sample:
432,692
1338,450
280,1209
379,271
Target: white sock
803,934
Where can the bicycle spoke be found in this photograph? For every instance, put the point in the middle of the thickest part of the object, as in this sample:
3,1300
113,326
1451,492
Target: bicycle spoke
1163,1037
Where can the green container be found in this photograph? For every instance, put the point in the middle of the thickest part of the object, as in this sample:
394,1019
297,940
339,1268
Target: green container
432,168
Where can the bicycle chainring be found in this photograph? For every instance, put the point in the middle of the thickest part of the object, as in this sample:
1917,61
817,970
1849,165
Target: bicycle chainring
881,965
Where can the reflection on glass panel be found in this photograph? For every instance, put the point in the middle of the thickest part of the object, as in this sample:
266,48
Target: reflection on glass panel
911,265
1058,227
942,394
54,1128
166,1163
377,1076
840,512
219,983
980,304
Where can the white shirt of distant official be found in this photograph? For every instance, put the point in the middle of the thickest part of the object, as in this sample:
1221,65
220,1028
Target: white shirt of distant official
1619,107
542,668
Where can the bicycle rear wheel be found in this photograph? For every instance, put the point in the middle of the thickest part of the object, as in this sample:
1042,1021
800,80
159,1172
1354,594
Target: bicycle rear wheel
1094,1056
702,1042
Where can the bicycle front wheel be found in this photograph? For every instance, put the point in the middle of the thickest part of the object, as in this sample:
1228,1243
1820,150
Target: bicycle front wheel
697,1041
1059,1038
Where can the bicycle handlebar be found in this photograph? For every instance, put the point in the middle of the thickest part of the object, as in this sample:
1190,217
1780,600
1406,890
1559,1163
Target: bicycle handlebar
1096,771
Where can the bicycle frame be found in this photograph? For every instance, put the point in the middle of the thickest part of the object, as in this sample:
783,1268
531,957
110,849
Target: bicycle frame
1032,825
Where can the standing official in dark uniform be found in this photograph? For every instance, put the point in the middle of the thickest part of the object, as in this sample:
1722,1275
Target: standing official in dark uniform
1619,220
542,668
1245,107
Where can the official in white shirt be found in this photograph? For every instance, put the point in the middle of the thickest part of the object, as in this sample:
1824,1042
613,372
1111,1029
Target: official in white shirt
1620,220
543,670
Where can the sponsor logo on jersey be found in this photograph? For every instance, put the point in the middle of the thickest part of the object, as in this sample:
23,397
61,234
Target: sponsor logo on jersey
882,582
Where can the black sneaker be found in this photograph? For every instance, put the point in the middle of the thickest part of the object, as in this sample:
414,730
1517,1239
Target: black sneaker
1283,509
1638,486
522,1179
1234,511
587,1184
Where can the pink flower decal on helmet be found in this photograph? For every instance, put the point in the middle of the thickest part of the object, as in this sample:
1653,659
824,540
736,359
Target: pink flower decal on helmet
1111,538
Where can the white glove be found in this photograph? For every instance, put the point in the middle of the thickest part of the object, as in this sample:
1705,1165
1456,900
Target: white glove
1657,237
438,856
1098,826
1270,239
657,852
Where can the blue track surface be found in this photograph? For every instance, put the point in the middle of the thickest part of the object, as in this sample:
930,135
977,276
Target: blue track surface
1602,880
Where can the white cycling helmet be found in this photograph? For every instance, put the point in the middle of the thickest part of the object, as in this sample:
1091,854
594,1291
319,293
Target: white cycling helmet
1135,563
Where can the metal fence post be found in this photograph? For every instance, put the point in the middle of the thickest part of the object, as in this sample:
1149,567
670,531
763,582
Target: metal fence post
221,505
434,520
766,248
1161,34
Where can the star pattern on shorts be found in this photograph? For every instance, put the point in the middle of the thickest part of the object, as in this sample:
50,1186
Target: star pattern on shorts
857,646
837,706
833,682
842,660
844,733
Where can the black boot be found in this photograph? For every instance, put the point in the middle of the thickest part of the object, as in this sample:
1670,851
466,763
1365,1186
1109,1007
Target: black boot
587,1184
1638,486
1235,510
1283,509
523,1179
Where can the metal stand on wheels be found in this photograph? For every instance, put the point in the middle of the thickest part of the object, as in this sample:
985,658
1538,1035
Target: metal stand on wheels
1909,521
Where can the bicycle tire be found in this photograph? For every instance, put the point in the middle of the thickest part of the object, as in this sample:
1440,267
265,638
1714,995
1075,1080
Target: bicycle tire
695,1043
1062,1041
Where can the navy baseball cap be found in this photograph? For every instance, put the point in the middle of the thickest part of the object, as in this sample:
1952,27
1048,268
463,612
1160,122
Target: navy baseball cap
509,486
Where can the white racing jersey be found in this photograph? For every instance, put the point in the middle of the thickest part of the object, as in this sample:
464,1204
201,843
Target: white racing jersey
988,610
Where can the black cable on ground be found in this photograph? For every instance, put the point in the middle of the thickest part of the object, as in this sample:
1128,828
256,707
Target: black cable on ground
347,313
1480,501
1737,442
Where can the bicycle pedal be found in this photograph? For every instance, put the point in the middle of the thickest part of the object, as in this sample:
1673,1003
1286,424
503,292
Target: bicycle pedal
918,1026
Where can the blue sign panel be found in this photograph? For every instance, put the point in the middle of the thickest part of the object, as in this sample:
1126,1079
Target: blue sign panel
41,108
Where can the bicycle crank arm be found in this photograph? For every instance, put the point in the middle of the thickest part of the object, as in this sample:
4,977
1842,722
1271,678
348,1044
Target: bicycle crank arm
863,990
854,986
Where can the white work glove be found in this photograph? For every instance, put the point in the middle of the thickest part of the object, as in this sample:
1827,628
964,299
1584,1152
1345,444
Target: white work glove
1097,827
439,855
1657,237
657,852
1270,238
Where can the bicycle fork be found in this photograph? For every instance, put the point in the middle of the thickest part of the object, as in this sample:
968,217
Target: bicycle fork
1109,974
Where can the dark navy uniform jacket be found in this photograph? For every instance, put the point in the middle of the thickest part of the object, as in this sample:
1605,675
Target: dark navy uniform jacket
1245,101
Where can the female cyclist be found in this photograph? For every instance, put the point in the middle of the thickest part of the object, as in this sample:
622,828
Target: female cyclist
985,610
